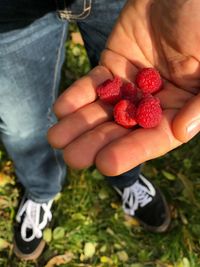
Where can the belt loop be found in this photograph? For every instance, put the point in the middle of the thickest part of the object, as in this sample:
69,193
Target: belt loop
65,11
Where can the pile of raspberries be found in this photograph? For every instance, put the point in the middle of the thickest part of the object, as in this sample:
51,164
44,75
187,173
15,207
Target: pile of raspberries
134,104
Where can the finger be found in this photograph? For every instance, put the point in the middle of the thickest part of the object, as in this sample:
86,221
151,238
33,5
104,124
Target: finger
82,151
187,122
78,122
137,147
81,93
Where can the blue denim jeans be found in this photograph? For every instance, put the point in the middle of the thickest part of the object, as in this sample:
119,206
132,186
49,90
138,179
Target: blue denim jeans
32,49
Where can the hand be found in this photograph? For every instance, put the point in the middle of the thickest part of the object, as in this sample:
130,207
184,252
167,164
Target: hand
178,35
86,131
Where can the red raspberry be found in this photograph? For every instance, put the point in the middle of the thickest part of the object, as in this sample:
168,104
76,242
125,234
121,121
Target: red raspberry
149,80
129,91
109,91
124,113
149,112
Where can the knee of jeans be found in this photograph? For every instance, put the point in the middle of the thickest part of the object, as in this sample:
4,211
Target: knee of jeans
21,130
27,123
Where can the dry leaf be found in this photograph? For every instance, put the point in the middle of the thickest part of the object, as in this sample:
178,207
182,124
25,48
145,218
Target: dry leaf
4,202
122,255
5,179
89,250
60,259
130,221
114,205
4,244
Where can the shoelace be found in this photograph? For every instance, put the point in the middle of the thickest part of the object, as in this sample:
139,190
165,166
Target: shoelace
32,218
137,195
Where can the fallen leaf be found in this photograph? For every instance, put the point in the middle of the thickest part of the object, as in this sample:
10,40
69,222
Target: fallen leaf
47,235
184,263
78,216
103,194
58,233
130,221
89,250
5,179
110,231
103,249
105,259
169,175
4,244
114,205
4,202
60,259
122,255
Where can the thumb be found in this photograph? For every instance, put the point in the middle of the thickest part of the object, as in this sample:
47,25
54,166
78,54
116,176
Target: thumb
187,122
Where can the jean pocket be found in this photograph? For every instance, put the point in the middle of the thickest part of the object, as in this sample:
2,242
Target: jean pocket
76,10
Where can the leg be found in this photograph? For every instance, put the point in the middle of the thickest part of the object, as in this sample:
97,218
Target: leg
95,30
30,64
31,55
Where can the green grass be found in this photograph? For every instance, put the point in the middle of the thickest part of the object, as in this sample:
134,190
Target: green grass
89,227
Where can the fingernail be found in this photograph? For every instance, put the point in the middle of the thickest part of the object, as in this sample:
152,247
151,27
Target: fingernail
193,128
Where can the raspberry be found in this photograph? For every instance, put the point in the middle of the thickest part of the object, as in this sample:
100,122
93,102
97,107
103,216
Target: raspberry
149,112
134,105
109,91
129,91
149,80
124,113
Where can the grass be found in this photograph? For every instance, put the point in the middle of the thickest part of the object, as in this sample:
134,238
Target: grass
89,227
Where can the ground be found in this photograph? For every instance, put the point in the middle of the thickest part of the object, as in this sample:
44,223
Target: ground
89,227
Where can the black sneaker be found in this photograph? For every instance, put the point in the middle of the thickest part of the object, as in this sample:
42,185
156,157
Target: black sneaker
31,218
147,204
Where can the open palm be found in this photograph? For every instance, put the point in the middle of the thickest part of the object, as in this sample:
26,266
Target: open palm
86,131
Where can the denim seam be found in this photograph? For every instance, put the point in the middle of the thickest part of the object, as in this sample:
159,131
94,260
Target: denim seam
57,64
54,92
30,195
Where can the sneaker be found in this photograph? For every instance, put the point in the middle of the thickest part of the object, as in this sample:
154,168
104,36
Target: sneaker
31,218
147,204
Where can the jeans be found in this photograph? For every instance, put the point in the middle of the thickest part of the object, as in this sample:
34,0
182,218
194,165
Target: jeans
32,49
